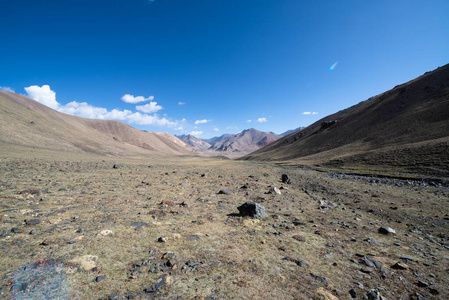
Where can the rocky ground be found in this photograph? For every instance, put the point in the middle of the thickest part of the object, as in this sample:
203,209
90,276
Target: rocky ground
169,228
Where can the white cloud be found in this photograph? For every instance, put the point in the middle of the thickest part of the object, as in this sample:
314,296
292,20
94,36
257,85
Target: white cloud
216,129
182,103
262,120
248,121
201,121
152,107
82,109
143,119
131,99
47,97
43,95
6,89
196,133
309,113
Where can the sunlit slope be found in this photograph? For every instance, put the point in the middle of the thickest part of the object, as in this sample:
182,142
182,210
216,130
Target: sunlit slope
26,122
406,126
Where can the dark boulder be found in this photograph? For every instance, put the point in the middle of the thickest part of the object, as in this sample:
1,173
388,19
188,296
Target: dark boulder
285,179
253,210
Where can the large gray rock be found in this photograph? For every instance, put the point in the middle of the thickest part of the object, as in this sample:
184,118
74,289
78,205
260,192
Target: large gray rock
253,210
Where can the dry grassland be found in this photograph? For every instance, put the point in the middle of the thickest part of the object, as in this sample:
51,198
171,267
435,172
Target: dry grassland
312,246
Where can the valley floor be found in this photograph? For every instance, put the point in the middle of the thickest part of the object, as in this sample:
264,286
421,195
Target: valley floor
96,231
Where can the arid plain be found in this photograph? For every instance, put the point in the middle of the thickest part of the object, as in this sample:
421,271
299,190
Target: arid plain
158,226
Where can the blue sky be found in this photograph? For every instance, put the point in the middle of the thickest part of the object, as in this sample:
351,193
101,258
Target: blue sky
211,67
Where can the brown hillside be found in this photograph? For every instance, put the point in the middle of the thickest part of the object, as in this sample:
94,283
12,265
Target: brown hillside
407,126
26,122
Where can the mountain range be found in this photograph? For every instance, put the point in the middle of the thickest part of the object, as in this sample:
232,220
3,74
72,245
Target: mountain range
405,129
28,123
232,144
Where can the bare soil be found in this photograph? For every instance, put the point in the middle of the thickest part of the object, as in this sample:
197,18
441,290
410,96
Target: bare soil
321,231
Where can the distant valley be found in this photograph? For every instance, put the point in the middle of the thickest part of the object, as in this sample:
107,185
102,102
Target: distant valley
246,141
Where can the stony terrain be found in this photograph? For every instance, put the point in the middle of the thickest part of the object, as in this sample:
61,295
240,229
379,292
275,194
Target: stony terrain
169,228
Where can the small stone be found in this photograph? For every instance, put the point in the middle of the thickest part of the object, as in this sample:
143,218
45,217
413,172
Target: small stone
113,296
399,266
373,295
16,230
80,230
100,278
387,230
225,192
434,291
105,233
161,239
366,270
139,224
421,283
47,242
371,262
320,278
299,238
115,166
33,222
5,233
285,179
274,190
406,257
384,271
371,241
34,231
352,293
168,255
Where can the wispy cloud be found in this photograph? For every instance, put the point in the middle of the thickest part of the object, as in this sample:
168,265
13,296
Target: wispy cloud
182,103
201,121
309,113
262,120
196,133
248,121
149,108
216,129
131,99
6,89
43,94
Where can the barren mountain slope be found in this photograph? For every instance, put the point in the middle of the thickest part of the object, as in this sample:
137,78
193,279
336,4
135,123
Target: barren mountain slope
407,126
194,141
246,141
26,122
